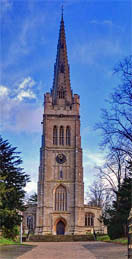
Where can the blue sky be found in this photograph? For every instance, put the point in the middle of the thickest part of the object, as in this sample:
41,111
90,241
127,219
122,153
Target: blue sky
98,36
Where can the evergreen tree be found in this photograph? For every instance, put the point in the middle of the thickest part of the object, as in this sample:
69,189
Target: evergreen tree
118,215
32,199
12,180
2,188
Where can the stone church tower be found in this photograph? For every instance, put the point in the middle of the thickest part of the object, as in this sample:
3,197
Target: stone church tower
60,185
60,208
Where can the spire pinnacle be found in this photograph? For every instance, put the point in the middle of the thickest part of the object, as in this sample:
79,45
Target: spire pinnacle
62,11
61,84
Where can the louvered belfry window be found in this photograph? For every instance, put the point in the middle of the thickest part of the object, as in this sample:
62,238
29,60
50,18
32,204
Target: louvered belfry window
68,136
61,135
55,136
61,199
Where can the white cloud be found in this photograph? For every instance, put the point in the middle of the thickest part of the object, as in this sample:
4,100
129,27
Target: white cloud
20,117
27,82
92,158
16,114
25,94
24,91
4,91
31,187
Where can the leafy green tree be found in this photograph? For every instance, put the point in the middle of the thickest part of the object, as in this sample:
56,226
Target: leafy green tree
12,180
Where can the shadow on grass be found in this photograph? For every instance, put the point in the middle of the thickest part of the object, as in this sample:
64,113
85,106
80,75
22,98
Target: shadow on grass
13,251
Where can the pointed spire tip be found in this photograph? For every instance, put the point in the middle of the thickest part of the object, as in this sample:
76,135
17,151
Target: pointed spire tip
62,11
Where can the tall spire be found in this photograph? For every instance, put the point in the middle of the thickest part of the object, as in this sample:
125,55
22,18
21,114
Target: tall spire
61,83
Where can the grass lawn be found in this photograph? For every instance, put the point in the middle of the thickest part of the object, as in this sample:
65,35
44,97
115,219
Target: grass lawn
5,241
103,238
122,240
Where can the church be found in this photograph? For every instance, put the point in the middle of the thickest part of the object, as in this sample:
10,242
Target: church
60,207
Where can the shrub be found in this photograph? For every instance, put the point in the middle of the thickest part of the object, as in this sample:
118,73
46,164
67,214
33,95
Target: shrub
10,233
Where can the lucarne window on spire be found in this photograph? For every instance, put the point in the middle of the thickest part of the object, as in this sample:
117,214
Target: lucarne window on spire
62,68
61,94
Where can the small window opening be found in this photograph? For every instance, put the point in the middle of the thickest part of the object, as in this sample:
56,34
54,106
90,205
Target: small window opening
61,174
62,68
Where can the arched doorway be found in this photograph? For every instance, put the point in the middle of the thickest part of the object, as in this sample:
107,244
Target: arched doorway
60,228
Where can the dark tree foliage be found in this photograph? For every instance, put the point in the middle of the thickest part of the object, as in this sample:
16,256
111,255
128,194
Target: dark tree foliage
32,200
2,188
13,180
118,214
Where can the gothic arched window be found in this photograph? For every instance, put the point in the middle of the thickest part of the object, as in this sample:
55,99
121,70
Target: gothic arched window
55,136
61,135
68,136
89,219
60,199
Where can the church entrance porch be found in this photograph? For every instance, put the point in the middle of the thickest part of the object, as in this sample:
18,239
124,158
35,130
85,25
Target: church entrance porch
60,228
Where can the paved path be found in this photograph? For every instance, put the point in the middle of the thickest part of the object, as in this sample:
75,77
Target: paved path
76,250
58,250
65,250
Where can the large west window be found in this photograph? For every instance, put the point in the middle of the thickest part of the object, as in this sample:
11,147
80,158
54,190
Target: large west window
89,219
68,136
61,198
